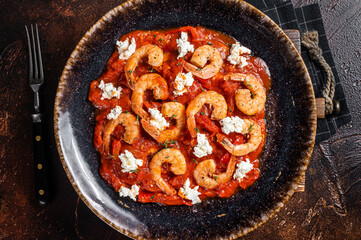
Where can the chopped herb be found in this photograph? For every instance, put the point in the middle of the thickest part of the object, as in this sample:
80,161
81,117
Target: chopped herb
252,94
215,177
174,115
197,130
165,144
137,117
160,40
229,44
209,43
138,68
172,142
152,70
179,63
202,113
152,197
175,100
199,69
111,156
130,71
250,128
166,157
202,89
134,171
184,57
154,35
126,112
195,161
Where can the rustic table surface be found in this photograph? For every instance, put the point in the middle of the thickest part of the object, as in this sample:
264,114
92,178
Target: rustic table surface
330,207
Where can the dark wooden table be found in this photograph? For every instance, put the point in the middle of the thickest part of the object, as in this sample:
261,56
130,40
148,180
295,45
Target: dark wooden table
330,207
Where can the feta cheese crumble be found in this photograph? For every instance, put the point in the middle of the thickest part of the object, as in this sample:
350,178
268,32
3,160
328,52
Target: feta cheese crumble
236,51
129,192
183,45
203,148
181,82
233,124
242,169
157,119
109,90
125,49
129,162
114,113
191,194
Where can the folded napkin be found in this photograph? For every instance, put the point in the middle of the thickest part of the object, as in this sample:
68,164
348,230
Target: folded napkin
304,19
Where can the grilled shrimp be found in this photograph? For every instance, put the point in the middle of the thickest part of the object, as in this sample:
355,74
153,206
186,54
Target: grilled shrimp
255,139
130,124
203,173
252,100
199,59
155,58
178,167
153,82
211,97
174,110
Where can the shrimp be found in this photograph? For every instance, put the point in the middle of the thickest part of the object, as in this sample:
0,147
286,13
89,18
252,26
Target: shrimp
252,100
203,173
200,57
153,82
178,167
131,126
255,139
173,110
211,97
155,58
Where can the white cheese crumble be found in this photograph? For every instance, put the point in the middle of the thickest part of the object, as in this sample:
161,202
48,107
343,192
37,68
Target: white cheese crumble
129,192
129,162
114,113
183,45
109,90
157,119
191,194
181,82
242,169
203,148
236,51
125,49
233,124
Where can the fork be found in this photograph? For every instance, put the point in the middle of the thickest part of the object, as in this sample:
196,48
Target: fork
36,79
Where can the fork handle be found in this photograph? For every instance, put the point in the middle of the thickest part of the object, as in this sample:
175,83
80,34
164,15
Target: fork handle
40,165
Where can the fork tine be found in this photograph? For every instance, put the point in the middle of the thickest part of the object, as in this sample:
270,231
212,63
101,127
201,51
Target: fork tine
39,54
30,54
35,57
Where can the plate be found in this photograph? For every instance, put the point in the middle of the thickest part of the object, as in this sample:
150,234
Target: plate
290,122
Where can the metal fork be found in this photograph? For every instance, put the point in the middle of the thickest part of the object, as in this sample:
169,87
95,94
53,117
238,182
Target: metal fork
36,79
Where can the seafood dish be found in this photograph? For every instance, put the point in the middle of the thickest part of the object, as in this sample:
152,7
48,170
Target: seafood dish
180,116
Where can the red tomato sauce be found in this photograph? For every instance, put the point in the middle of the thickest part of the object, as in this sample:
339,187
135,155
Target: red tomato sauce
145,146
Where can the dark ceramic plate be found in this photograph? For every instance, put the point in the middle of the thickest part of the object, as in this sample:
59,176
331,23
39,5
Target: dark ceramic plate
290,118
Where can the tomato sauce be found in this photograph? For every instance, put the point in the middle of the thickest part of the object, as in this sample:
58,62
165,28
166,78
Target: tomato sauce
145,146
